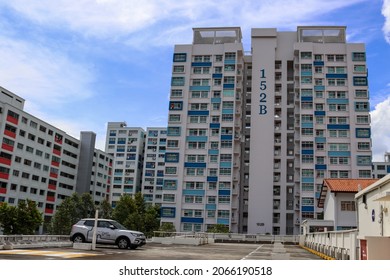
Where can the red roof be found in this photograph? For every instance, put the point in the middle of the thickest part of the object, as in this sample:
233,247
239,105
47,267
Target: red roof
343,185
348,185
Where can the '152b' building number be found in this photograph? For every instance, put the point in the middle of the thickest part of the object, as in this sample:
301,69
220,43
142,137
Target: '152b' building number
263,94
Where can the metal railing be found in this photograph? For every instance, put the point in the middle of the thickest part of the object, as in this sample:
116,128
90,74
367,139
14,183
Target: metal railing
340,245
33,241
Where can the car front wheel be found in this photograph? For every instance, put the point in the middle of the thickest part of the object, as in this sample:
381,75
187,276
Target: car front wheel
78,238
123,243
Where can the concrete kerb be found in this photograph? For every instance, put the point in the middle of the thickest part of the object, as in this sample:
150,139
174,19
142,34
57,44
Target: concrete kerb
321,255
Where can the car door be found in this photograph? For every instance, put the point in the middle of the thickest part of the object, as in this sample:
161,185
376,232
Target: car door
105,232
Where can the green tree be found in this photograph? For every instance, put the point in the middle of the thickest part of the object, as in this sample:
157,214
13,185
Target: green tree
124,207
167,227
70,211
105,210
133,213
25,218
28,217
218,228
8,218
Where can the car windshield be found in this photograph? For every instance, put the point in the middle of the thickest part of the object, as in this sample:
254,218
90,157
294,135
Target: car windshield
118,225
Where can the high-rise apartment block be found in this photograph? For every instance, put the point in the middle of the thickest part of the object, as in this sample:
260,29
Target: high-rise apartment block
126,145
42,163
252,136
154,165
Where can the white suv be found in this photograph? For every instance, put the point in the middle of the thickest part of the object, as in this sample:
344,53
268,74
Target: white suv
108,232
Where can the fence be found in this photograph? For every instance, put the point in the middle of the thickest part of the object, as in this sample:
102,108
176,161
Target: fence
340,245
33,241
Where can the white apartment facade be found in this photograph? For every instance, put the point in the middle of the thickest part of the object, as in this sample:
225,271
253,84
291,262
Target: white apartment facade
154,164
381,168
126,145
41,162
204,118
253,136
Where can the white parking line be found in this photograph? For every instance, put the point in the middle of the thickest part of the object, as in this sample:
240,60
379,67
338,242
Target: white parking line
254,251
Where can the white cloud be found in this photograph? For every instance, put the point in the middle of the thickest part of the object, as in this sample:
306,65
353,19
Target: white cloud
40,74
380,127
121,18
386,14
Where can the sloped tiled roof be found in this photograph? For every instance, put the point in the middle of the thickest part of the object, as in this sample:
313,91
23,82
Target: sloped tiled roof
342,185
348,185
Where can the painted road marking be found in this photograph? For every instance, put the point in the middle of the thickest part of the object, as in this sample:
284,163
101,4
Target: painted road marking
59,254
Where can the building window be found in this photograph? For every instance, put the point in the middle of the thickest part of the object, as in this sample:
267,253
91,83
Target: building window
178,69
361,93
305,55
176,93
171,157
177,81
179,57
361,107
348,206
364,173
358,56
364,146
363,133
360,81
363,160
176,105
362,119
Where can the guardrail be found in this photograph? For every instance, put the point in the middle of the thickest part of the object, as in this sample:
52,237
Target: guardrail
8,242
340,245
199,238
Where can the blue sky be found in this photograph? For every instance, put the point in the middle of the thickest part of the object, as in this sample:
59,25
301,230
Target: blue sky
82,63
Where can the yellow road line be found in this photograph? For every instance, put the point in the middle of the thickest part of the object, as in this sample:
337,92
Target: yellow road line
321,255
61,254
